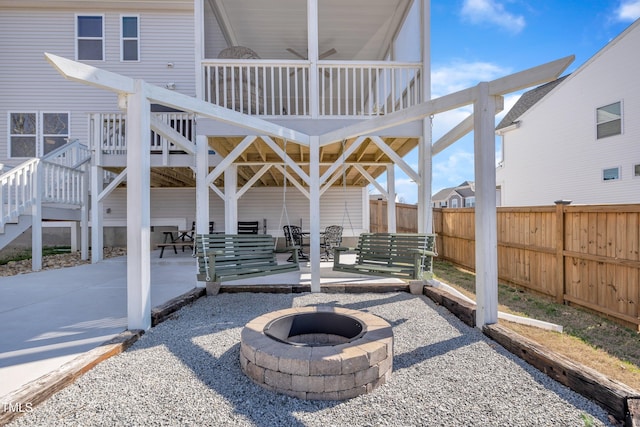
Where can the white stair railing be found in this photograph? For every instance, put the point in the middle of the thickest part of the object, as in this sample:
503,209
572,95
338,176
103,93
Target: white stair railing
17,191
72,155
62,181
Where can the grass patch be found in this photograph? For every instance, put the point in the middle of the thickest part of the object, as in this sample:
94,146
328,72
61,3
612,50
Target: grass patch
23,254
592,340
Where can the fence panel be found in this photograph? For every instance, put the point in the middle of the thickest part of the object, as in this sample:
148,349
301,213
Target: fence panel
585,255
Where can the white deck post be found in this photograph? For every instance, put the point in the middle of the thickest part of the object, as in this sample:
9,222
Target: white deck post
484,108
36,219
425,210
391,199
202,189
97,253
312,49
314,212
231,199
84,212
138,209
198,31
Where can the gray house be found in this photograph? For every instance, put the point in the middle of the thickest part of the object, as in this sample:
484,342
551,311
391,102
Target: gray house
462,196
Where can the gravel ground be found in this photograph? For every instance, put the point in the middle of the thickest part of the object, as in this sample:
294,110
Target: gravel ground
186,371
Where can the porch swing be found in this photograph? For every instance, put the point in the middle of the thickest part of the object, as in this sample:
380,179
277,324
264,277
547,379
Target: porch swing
407,256
224,257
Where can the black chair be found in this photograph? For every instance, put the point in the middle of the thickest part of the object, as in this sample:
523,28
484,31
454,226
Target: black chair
331,238
248,227
294,237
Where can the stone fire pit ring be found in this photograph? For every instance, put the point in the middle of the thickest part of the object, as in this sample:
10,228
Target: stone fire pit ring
354,362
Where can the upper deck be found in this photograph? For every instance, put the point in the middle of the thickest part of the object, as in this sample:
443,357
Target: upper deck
313,59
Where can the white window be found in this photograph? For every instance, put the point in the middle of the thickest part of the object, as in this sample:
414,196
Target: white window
454,203
611,174
636,171
90,37
130,38
470,202
609,120
443,204
37,134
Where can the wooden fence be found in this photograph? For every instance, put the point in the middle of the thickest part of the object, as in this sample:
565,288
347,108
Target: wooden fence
406,217
583,255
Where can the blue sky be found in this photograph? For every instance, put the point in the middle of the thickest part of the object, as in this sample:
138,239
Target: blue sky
481,40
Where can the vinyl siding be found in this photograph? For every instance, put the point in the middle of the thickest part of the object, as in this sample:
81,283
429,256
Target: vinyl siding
30,83
256,204
555,154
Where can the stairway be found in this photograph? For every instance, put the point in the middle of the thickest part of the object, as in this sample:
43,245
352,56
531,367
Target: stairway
51,187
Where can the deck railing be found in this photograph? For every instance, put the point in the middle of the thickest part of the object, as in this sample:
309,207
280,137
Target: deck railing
110,131
17,190
281,88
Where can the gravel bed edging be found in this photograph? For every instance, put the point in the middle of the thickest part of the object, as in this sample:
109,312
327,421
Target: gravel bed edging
40,389
613,396
37,391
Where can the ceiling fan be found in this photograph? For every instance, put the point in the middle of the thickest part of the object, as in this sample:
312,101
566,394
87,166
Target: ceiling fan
323,55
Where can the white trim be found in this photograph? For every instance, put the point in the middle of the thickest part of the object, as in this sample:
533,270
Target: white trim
9,134
597,123
619,178
123,38
76,37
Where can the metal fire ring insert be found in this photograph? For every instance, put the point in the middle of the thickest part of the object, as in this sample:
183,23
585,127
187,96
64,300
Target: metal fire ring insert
315,329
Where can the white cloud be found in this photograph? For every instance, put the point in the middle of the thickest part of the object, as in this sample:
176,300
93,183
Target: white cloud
492,12
460,75
452,170
629,10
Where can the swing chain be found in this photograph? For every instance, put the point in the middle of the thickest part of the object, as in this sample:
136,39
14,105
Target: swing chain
206,259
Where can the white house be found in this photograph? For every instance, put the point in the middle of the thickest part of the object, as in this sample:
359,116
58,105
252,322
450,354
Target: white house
176,111
577,138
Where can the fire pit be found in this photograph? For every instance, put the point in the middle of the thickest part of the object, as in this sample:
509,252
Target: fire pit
323,353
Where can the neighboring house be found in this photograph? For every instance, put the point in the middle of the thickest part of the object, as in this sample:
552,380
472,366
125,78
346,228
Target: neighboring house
462,196
577,138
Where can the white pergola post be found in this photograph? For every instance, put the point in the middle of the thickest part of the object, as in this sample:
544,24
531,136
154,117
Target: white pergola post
202,189
230,199
425,210
314,209
138,209
391,199
484,138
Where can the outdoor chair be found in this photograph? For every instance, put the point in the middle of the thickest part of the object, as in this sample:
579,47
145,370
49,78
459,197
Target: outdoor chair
331,238
294,237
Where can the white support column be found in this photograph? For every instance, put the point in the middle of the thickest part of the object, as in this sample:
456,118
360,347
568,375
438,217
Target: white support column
84,215
484,109
138,209
198,31
231,199
391,199
425,210
36,220
97,206
202,189
314,212
312,49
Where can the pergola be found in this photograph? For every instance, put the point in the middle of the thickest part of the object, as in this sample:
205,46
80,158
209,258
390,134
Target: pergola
136,97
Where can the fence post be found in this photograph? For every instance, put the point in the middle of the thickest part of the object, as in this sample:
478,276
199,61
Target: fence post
560,284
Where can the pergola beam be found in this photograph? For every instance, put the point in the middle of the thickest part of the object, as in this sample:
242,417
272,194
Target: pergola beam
120,84
511,83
